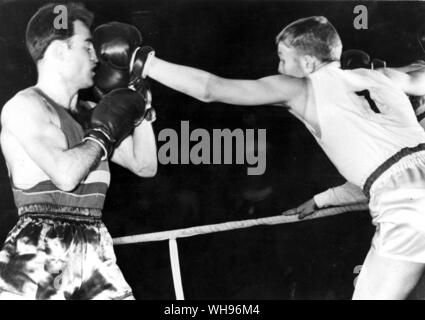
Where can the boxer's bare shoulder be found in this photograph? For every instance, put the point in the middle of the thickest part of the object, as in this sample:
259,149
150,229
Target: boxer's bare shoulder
25,105
28,125
292,88
287,91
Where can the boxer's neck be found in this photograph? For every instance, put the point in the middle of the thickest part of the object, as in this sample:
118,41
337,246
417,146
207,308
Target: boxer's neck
56,87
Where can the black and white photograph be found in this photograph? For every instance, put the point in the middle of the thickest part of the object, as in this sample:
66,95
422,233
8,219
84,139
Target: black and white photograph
232,151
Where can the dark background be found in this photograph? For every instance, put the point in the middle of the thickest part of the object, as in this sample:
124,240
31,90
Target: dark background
309,260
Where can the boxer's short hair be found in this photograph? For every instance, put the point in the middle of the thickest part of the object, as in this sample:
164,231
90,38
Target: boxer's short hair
41,30
314,36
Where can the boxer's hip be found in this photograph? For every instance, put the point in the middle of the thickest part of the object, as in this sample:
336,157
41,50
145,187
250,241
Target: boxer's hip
60,212
59,253
397,207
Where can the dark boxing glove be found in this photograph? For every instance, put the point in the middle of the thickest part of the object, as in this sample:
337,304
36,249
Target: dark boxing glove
144,88
82,113
378,63
354,59
139,64
115,44
115,117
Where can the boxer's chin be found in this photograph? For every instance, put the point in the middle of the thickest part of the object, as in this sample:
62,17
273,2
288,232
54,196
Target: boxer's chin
87,84
90,80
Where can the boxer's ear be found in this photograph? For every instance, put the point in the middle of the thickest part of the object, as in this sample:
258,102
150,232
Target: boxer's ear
308,63
57,50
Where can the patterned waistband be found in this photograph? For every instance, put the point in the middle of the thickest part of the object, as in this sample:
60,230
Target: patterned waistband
60,212
403,153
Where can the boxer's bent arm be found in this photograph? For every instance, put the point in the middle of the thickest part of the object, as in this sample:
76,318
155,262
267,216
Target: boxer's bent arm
207,87
414,66
412,82
341,195
138,151
409,68
25,118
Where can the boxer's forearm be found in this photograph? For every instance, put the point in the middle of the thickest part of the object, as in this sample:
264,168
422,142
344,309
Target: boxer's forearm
144,150
188,80
418,65
71,166
341,195
138,152
407,69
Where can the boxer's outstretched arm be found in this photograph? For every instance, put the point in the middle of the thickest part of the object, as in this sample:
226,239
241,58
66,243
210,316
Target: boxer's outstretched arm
26,119
411,82
207,87
411,67
138,151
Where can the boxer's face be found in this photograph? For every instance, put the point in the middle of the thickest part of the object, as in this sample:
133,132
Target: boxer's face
80,59
289,63
292,63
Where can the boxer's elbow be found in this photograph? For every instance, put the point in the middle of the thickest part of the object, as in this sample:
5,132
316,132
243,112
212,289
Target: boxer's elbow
65,182
66,175
148,170
65,187
211,89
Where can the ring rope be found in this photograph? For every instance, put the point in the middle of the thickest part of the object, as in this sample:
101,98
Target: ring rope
172,235
231,225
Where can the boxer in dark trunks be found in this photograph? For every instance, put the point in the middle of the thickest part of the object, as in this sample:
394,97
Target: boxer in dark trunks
59,172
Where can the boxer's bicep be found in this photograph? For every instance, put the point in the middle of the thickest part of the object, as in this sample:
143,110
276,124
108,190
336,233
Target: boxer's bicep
29,124
416,84
399,78
42,140
412,83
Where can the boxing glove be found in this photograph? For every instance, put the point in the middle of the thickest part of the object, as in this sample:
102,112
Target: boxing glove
82,113
139,64
354,59
378,63
144,88
115,44
114,118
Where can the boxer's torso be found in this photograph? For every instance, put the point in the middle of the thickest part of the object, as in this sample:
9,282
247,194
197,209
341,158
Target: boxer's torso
356,138
31,185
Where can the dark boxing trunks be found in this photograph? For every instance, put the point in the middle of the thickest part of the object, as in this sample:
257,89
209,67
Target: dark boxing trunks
60,255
